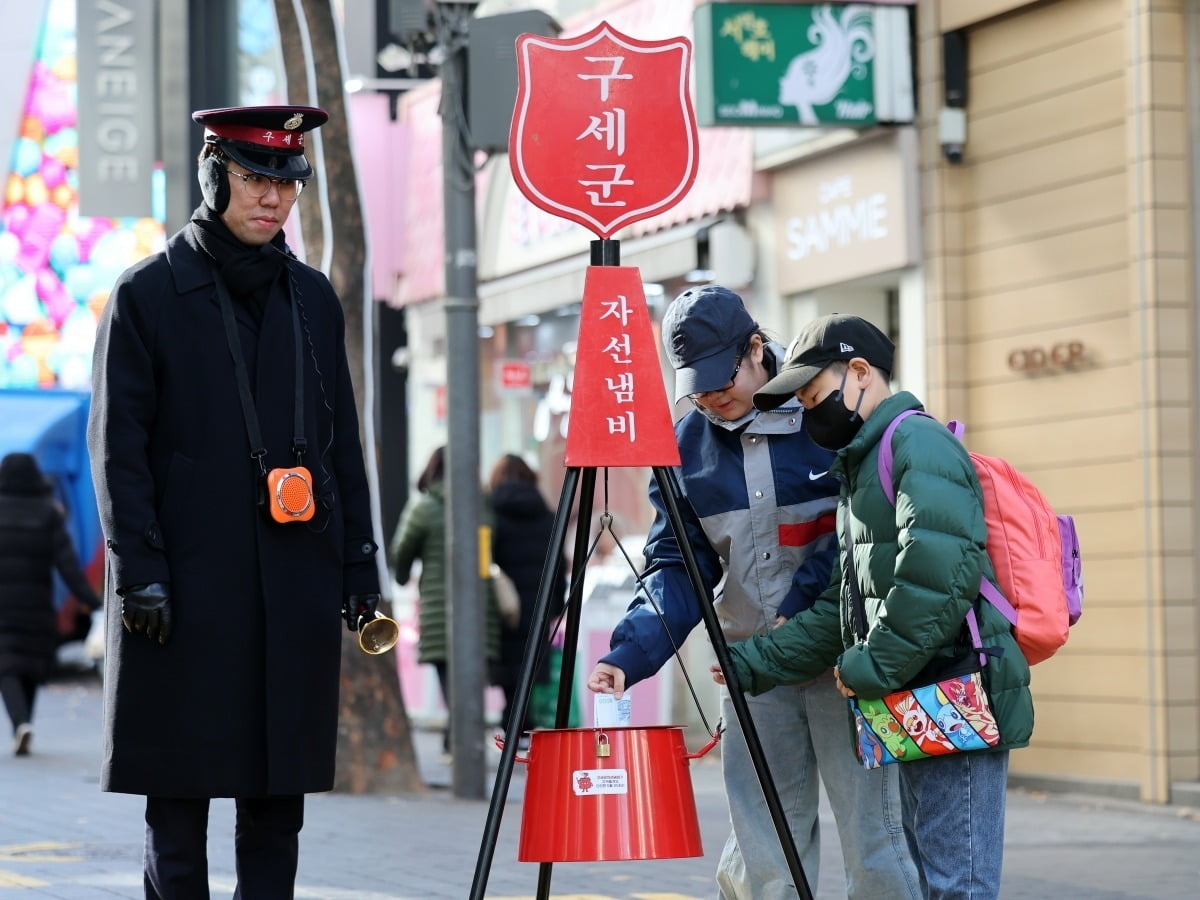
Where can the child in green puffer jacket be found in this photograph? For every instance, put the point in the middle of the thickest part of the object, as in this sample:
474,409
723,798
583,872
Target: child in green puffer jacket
918,567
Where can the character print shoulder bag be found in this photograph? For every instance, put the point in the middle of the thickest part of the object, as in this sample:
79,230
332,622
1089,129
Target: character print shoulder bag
944,710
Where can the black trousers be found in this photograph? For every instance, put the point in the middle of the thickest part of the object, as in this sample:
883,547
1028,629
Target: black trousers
443,673
19,692
266,841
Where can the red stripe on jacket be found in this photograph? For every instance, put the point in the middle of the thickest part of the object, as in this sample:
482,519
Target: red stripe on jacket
798,534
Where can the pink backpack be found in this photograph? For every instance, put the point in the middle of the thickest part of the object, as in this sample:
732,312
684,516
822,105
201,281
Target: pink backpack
1035,551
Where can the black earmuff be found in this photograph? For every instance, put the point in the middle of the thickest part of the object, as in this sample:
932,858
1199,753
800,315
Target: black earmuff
214,184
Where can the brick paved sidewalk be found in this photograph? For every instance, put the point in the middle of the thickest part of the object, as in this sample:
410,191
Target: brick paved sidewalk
60,837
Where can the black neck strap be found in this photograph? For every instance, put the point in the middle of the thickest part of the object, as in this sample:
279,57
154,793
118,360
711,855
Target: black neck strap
258,450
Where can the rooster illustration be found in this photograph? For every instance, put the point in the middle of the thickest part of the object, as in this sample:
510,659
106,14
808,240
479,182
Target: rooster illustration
841,48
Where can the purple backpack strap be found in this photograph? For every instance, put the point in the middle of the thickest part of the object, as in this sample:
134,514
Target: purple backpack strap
885,453
989,591
992,595
976,640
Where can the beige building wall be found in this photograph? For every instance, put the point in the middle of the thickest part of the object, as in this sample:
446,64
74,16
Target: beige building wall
1065,235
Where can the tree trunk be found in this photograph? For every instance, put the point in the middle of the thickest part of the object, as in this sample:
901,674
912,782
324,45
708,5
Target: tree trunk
375,749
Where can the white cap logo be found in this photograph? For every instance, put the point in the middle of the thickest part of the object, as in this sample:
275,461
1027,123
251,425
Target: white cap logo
846,348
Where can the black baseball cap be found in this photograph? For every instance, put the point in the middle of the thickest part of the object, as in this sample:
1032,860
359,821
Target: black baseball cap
822,341
268,140
703,330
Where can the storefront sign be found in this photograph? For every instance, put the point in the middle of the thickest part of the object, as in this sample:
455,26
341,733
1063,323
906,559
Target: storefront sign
846,215
810,64
603,131
439,402
516,375
115,50
1057,357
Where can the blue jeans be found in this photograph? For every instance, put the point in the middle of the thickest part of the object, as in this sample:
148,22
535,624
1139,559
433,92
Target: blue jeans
958,846
806,729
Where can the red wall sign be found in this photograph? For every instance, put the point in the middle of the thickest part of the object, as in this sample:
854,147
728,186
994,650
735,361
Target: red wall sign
515,374
439,402
619,413
603,132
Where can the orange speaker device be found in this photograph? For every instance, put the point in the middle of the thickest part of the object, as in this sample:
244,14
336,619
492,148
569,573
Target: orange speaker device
290,494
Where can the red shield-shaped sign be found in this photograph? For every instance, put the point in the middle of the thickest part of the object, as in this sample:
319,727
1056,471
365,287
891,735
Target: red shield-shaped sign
603,132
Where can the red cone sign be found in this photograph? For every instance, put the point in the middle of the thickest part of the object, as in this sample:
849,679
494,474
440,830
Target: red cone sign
619,412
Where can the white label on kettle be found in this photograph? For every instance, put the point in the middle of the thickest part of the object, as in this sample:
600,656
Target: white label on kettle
599,781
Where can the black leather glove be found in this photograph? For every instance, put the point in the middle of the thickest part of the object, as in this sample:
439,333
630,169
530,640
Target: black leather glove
358,607
146,609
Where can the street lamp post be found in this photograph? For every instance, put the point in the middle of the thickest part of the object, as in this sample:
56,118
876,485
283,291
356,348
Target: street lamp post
467,617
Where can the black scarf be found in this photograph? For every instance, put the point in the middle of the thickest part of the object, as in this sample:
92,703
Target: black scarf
248,272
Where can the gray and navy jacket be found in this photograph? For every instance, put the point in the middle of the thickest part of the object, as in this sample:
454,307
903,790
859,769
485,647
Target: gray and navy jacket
759,512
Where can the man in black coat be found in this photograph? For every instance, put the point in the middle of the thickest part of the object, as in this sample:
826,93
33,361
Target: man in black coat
234,501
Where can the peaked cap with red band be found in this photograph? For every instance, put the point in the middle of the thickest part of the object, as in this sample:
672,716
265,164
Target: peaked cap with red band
268,140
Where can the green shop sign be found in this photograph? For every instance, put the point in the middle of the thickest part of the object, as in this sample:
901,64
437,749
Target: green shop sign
846,64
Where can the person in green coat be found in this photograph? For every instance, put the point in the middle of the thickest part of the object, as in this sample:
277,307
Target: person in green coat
421,534
918,567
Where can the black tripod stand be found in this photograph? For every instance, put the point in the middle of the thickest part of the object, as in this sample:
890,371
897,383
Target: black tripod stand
607,253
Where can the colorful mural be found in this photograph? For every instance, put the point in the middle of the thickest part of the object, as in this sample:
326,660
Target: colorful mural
57,267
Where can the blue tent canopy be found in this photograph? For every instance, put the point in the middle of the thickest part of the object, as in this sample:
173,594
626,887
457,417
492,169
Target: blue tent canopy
52,425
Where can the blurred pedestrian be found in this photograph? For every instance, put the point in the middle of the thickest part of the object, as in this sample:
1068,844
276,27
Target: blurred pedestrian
521,534
34,544
235,506
759,516
421,535
914,575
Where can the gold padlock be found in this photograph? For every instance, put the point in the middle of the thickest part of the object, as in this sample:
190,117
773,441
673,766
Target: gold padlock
602,747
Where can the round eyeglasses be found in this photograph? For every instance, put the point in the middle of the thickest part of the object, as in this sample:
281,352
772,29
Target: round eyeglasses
737,367
258,186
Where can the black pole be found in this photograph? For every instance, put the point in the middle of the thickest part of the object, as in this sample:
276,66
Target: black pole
464,587
566,675
520,702
606,253
583,518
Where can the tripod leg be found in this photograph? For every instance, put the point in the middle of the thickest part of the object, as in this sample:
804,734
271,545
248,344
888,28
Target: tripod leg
670,495
520,703
566,678
583,518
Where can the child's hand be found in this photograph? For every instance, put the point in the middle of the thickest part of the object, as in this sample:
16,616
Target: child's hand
717,675
845,691
606,679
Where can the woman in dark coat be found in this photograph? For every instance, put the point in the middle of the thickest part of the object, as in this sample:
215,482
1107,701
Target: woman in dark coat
421,535
33,545
522,531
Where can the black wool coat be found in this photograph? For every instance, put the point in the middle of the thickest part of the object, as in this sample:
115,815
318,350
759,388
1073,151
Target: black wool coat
33,544
243,699
522,531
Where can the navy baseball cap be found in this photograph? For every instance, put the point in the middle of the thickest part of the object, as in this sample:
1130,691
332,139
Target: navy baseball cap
822,341
703,330
268,140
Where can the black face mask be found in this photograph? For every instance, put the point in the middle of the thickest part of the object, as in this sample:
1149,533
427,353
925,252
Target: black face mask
830,424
